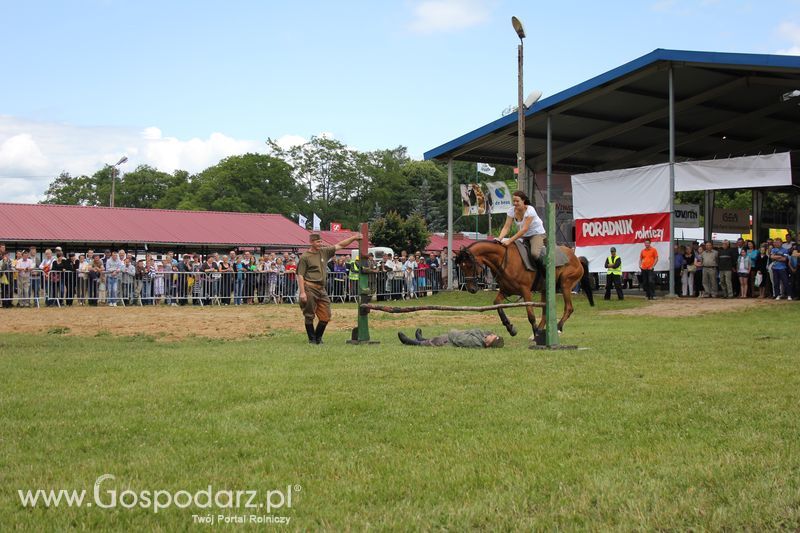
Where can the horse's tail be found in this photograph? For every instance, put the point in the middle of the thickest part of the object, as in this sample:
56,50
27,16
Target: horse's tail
586,280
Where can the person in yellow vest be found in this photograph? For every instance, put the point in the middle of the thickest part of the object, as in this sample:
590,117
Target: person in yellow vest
352,275
613,274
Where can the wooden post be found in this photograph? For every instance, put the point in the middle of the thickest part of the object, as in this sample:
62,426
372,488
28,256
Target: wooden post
361,331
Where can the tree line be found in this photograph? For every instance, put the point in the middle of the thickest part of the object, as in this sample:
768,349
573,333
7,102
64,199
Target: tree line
322,176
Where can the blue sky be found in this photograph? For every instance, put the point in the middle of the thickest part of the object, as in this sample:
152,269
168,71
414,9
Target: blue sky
182,84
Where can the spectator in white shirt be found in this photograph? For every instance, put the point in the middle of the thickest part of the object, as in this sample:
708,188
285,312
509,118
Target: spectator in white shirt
24,267
114,268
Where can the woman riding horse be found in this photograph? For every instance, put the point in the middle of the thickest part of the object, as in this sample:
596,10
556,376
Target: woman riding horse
509,271
529,226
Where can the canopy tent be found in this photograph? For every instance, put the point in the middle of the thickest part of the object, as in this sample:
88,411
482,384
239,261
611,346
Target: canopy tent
666,106
724,104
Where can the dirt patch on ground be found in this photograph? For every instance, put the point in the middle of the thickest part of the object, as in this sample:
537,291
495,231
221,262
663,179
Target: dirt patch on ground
680,307
227,322
238,322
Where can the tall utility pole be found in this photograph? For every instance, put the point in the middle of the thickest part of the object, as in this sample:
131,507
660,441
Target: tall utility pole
114,178
522,181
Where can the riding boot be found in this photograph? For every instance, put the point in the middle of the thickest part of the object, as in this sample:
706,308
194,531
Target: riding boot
418,335
405,340
541,270
312,338
320,331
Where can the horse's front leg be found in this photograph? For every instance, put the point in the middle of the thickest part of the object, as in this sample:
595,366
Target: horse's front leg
503,318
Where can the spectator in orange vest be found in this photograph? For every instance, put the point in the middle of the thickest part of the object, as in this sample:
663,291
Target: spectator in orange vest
647,263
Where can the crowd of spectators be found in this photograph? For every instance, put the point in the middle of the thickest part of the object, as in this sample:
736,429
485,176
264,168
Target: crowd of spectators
117,278
113,278
739,270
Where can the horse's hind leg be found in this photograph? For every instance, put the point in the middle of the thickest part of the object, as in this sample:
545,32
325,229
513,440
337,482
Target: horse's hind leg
503,318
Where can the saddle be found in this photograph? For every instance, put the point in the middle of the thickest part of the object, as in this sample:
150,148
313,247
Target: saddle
525,253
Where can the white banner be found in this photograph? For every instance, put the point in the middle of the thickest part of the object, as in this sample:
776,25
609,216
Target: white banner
499,197
773,170
317,223
621,192
486,168
687,215
622,208
302,221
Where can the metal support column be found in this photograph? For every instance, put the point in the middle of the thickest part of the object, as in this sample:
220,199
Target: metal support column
796,216
758,202
708,216
449,225
671,267
551,337
522,176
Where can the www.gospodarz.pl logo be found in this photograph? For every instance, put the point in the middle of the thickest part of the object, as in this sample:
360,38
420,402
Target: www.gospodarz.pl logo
106,497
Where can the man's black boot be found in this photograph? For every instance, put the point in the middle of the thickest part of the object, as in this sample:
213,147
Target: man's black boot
418,335
320,331
312,338
405,340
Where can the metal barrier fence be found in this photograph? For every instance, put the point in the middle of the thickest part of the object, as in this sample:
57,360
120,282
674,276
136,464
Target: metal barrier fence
66,288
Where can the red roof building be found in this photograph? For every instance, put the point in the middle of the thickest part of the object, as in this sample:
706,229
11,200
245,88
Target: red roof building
77,227
46,225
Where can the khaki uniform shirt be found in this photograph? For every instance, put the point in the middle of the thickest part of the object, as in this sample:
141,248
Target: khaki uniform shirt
470,338
312,265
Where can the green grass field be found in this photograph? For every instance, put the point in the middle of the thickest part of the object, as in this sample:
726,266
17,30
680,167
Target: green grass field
660,423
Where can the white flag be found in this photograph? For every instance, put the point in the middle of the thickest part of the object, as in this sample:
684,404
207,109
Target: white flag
317,222
486,168
302,221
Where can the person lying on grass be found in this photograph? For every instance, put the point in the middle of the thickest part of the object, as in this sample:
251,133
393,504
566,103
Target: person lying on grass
467,338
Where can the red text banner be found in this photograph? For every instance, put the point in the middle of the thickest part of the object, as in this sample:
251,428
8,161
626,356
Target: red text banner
625,229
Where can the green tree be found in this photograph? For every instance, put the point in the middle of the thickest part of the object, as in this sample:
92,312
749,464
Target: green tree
426,208
144,187
180,188
377,213
335,178
390,187
399,234
71,190
429,185
252,183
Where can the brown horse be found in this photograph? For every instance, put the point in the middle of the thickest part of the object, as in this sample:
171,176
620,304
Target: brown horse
513,279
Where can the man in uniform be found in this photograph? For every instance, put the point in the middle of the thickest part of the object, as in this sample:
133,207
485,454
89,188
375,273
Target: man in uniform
314,300
469,338
613,274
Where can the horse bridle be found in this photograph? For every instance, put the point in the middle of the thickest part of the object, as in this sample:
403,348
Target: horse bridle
474,263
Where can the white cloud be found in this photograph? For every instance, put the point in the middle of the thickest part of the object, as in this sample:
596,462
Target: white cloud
33,153
432,16
790,32
288,141
151,133
170,153
20,154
